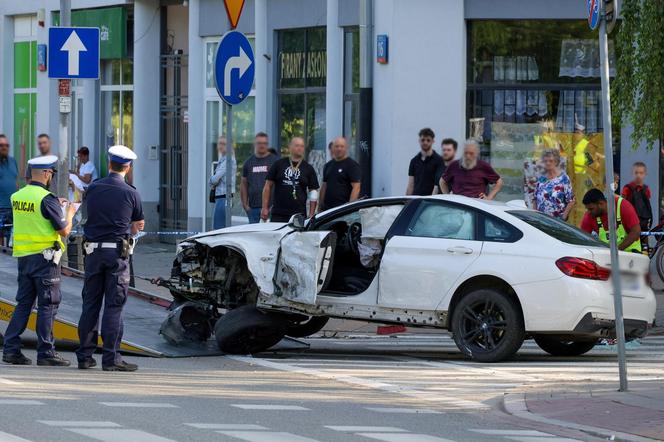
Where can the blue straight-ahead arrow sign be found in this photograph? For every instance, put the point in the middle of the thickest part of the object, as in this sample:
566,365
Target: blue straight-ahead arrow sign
73,53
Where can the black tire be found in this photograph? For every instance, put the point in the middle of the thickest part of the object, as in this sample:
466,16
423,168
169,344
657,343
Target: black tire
487,325
247,330
307,328
561,347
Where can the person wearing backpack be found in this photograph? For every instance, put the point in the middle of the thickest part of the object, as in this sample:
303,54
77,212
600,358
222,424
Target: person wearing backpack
638,194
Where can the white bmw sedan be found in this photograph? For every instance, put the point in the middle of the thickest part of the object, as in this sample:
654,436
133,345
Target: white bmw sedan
493,274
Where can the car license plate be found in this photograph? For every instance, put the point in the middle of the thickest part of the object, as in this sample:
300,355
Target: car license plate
630,281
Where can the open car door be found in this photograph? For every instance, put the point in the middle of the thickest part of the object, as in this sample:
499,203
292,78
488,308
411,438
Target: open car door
304,267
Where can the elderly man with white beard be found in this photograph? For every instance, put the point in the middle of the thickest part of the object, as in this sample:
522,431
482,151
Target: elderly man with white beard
471,176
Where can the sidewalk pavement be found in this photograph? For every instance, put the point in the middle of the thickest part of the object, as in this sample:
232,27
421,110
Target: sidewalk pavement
636,415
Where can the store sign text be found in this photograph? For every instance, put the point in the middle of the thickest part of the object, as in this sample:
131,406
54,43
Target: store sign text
294,65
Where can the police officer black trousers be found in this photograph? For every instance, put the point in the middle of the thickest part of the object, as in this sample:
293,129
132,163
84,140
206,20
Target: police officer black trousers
107,282
38,280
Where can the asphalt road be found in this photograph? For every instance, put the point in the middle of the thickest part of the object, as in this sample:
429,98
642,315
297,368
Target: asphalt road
394,389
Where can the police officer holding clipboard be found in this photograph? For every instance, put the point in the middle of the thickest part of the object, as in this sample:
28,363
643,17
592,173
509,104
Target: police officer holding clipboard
40,223
112,215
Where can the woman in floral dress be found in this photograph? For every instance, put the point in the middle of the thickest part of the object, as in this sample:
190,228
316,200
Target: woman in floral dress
553,194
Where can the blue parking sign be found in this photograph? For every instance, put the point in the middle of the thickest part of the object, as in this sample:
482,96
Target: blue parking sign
73,53
234,68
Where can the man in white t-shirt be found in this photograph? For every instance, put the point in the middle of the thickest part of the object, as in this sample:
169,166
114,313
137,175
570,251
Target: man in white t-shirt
80,179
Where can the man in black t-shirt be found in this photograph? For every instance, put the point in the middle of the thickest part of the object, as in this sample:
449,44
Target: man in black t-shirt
341,177
291,178
425,168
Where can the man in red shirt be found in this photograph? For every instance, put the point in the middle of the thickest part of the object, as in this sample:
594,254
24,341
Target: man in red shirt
471,176
628,227
638,194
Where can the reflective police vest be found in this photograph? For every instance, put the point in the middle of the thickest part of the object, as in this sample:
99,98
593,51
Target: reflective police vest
580,157
32,232
621,234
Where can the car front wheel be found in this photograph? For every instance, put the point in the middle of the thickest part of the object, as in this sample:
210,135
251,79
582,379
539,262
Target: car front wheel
247,330
487,325
562,347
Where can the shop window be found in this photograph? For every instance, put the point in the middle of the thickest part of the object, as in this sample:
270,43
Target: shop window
215,125
534,85
302,75
352,90
117,108
24,90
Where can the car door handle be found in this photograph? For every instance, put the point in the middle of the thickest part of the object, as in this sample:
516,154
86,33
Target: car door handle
460,250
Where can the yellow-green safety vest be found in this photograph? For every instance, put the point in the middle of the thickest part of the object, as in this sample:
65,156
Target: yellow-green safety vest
32,232
621,234
580,156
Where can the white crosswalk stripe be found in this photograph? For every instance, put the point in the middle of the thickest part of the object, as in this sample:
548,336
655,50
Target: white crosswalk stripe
524,435
267,436
105,431
445,383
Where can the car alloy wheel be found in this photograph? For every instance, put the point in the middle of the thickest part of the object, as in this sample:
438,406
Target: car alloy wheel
487,325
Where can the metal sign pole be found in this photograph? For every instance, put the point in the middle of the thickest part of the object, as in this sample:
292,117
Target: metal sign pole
63,150
608,154
229,163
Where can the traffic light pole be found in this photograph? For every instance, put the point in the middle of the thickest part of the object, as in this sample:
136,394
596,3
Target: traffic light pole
608,154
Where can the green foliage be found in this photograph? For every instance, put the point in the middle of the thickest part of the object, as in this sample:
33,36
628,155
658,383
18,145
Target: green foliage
638,97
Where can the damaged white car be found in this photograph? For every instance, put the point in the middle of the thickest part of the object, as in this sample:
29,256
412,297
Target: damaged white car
493,274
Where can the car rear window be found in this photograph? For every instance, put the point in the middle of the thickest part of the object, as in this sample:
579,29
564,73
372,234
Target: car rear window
557,228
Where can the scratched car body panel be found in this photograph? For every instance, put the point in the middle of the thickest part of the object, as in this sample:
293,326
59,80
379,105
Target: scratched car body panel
414,260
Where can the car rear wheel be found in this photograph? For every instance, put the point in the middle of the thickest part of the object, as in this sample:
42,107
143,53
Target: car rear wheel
488,326
247,330
562,347
308,327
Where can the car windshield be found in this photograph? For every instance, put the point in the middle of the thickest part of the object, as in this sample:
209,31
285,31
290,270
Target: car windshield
557,228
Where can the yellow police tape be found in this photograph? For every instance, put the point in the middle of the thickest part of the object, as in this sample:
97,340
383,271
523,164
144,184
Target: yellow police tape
67,331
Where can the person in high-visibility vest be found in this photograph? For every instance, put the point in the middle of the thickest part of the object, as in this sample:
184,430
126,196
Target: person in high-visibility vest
595,221
39,227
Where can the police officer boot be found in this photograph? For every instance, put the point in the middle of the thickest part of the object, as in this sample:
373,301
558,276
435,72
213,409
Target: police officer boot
121,366
55,360
86,363
16,359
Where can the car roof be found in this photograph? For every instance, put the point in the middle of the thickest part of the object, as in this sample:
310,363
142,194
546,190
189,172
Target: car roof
489,206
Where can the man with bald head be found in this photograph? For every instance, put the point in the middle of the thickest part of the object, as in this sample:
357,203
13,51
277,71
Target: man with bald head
470,176
293,180
341,177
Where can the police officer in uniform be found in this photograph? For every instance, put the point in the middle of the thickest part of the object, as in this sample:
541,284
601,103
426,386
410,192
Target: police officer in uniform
39,226
113,213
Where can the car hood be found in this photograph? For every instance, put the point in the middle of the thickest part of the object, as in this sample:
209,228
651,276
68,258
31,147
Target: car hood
244,228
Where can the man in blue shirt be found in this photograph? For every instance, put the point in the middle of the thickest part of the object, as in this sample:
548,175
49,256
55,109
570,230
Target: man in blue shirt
8,185
112,213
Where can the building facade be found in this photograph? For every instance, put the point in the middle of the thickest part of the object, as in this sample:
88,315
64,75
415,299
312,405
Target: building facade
520,75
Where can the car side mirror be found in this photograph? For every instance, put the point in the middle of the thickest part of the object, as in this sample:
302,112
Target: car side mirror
298,222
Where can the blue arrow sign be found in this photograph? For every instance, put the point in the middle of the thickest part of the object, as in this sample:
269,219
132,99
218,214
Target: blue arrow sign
234,68
593,13
73,53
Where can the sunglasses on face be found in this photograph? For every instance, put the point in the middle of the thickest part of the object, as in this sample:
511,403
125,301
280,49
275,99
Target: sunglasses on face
4,145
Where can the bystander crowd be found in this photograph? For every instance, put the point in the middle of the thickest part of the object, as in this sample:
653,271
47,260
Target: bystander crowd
470,176
596,221
553,193
425,167
254,173
218,185
341,177
638,194
8,185
293,181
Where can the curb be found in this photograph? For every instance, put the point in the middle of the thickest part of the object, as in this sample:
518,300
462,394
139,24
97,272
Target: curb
515,404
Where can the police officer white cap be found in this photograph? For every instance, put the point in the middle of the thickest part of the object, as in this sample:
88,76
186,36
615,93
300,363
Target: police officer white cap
121,154
45,162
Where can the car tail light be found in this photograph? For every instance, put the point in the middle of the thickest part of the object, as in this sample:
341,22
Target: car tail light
583,268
